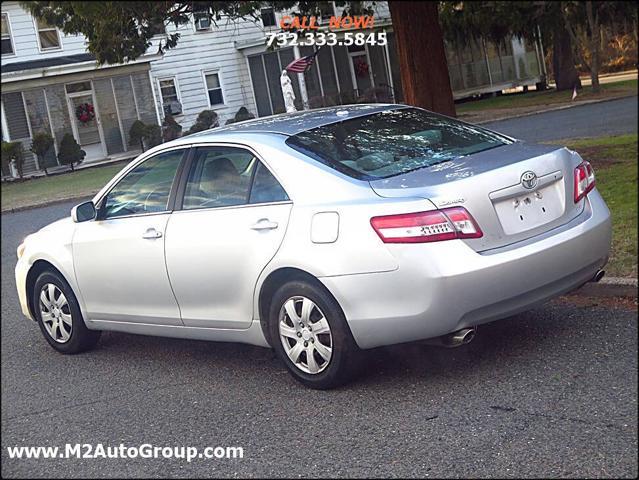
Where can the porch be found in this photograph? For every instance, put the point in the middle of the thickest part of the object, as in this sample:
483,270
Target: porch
96,106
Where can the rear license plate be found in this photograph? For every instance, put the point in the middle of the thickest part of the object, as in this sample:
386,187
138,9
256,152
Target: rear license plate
531,209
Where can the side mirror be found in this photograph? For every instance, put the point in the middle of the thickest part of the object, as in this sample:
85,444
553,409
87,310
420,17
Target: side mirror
83,212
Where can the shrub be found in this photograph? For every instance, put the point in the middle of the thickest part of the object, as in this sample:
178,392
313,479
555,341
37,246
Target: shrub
137,132
241,115
205,120
12,151
170,128
70,152
41,145
146,135
5,160
153,135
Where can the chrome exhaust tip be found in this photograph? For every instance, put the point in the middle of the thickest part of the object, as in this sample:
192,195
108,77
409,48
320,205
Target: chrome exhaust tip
454,339
463,336
598,276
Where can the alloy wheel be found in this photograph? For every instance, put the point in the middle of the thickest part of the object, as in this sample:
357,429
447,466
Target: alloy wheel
55,313
305,335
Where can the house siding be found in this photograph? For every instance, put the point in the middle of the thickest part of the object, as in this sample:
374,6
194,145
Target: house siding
25,40
208,51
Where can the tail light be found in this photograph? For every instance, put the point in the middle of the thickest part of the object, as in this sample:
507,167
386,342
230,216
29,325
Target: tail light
584,180
422,227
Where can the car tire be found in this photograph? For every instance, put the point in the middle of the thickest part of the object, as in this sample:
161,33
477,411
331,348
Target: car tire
334,355
57,312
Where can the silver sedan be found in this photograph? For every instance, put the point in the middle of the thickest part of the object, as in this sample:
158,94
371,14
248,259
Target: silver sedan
320,234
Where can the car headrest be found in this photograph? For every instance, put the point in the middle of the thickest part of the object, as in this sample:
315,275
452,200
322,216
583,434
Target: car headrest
219,168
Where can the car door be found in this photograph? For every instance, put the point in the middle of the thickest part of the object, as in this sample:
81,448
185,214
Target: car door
119,256
231,221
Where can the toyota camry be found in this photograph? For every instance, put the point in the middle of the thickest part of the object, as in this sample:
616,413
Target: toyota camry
320,234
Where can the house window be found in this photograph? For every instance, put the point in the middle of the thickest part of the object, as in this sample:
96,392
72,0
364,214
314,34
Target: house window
168,91
78,87
170,96
214,89
268,17
7,43
48,36
202,21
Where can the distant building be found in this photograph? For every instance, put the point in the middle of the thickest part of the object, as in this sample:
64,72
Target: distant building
47,75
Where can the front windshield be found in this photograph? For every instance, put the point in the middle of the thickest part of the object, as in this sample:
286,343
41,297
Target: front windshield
392,142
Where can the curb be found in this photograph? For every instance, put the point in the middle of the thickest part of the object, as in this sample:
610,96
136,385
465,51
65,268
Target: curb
551,109
609,287
48,203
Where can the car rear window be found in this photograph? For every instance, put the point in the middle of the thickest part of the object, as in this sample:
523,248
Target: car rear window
392,142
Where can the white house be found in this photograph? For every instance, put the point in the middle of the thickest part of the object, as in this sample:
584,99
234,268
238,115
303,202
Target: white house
225,66
49,78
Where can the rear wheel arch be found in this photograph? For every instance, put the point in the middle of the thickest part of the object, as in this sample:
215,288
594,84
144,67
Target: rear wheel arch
275,280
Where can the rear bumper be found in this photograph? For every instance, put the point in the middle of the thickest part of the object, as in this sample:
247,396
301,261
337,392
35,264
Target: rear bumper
442,287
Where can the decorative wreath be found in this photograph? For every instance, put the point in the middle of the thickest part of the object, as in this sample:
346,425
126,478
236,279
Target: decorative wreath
85,112
361,68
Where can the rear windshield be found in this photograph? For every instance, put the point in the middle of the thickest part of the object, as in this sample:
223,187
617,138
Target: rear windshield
392,142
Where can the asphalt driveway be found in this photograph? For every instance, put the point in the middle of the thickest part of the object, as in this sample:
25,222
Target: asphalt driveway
552,392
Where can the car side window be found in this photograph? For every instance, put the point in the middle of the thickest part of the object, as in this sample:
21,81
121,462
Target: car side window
265,187
145,189
219,177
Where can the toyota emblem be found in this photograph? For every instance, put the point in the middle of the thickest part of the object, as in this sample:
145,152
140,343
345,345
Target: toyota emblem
529,180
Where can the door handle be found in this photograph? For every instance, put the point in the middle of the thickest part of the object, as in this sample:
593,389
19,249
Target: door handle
264,224
151,233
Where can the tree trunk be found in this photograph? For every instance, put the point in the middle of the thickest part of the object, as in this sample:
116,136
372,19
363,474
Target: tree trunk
563,61
595,29
421,55
594,67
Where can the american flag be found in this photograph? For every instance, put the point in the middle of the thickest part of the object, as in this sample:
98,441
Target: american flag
301,65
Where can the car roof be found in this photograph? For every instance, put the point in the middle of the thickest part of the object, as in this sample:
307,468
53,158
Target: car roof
294,123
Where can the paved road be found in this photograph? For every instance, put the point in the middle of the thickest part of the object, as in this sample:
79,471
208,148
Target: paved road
603,79
606,118
552,392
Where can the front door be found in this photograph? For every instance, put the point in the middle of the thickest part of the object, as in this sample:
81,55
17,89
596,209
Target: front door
231,223
360,69
119,257
86,126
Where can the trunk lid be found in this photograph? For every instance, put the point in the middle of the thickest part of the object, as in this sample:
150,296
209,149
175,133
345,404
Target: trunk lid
489,185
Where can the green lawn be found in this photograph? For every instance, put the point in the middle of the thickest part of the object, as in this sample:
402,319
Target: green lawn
615,162
82,183
548,97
